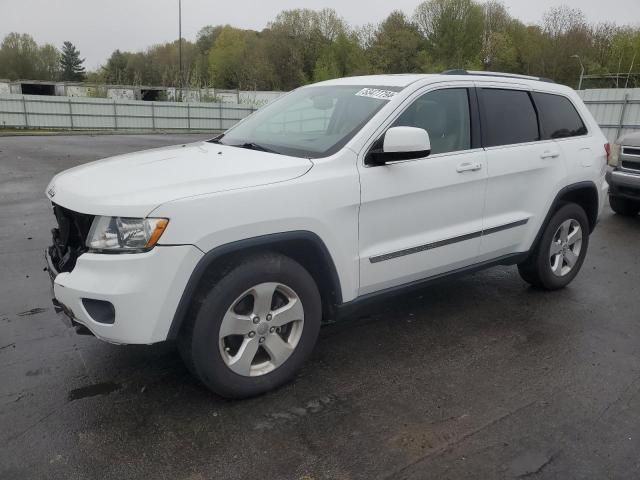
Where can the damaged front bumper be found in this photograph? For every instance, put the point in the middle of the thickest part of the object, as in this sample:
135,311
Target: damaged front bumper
64,312
124,299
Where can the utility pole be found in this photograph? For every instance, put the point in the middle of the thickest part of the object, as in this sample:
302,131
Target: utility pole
630,68
581,70
181,78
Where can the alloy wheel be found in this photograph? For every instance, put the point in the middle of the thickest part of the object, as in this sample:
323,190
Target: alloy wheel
261,329
565,248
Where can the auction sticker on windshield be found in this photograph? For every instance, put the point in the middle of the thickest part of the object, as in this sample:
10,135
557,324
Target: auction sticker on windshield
376,93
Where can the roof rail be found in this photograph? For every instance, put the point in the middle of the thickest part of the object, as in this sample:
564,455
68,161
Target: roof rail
460,71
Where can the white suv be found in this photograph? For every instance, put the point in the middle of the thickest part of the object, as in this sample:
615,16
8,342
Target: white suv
240,246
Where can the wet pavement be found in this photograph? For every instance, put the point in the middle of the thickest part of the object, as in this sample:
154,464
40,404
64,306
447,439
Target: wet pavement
477,378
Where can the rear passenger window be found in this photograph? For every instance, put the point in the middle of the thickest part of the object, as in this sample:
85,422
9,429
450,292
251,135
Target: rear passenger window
558,116
509,117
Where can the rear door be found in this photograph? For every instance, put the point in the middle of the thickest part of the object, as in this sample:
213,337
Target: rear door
561,122
525,170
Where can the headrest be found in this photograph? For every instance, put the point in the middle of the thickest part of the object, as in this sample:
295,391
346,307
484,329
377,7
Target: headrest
432,117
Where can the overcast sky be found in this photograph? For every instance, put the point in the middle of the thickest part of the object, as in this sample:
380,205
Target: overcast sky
99,27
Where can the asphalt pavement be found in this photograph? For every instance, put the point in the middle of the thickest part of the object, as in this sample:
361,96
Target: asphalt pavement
477,378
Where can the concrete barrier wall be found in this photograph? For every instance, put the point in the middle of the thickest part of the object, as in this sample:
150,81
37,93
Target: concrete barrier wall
69,113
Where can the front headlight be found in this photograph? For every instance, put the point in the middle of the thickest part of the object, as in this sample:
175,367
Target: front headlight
122,234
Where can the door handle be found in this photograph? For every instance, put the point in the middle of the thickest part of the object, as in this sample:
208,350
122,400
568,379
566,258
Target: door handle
549,154
468,167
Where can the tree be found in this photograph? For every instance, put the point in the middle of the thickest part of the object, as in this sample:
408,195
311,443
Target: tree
204,43
342,58
18,57
566,34
238,59
115,71
397,46
295,43
329,24
602,38
496,46
48,65
453,30
71,63
304,45
625,51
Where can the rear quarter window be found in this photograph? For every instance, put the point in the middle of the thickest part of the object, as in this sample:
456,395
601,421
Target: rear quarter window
508,117
558,116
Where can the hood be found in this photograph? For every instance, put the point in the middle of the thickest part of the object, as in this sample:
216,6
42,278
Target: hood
134,184
630,139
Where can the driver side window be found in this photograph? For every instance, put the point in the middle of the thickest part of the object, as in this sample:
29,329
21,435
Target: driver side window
444,114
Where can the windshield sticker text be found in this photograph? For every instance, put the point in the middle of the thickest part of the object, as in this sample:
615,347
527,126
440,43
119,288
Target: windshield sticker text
376,93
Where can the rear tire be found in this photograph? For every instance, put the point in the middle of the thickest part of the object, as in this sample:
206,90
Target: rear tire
559,255
253,329
623,206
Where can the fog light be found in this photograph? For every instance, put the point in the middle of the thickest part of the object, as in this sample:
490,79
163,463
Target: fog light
100,311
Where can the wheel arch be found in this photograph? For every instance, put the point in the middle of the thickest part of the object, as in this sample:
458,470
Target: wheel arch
305,247
584,194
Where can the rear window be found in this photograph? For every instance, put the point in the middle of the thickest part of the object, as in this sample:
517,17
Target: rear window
558,116
509,117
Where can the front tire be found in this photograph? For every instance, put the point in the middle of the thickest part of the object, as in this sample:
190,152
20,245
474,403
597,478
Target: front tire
560,253
253,329
623,206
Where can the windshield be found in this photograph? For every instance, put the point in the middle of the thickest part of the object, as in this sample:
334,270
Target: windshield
311,122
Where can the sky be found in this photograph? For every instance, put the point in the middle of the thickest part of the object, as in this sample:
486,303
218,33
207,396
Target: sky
97,28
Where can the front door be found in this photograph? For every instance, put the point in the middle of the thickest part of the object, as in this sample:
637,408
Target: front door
419,218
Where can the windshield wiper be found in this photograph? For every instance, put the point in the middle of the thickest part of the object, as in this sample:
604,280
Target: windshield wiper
247,145
255,146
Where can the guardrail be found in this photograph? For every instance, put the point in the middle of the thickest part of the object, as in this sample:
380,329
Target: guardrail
68,113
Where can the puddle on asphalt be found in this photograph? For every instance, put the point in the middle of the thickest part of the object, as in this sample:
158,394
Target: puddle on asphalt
93,390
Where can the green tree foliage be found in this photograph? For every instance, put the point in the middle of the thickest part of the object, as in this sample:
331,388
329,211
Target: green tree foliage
297,39
237,60
453,30
48,63
158,65
396,45
22,58
71,68
303,45
340,58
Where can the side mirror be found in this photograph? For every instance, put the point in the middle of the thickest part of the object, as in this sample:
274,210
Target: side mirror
400,143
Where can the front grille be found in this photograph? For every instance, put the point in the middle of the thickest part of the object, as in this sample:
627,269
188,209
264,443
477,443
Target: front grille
631,151
69,238
631,165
